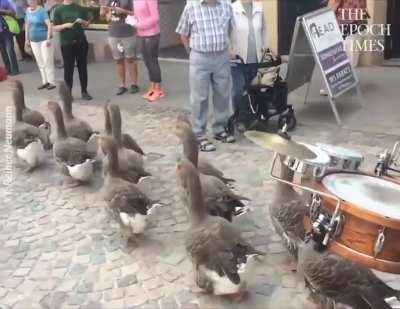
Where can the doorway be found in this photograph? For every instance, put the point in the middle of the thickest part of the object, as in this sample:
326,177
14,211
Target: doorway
288,11
392,48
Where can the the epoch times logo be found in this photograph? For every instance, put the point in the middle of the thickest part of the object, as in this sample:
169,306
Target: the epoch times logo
367,37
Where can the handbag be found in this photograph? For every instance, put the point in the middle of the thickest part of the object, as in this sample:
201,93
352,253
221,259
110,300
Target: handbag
28,48
11,24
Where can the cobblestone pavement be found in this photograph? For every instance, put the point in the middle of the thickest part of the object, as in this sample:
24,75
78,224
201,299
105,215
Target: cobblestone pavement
59,249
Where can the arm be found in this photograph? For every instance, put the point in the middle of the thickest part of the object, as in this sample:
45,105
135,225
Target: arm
49,29
58,24
104,10
183,28
185,41
152,19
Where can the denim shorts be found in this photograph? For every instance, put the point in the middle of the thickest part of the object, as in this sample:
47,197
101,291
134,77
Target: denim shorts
123,47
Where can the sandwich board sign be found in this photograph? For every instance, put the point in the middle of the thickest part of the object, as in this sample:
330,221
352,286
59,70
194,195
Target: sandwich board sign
317,39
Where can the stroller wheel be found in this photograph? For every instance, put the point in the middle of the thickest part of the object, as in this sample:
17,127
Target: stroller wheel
289,120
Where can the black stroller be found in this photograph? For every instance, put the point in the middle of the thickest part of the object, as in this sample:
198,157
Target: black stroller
261,102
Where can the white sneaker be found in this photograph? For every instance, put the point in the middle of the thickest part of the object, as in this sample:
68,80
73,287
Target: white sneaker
323,92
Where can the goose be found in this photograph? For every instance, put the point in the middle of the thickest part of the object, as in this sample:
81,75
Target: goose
287,212
128,204
221,258
127,140
331,276
72,154
219,199
29,116
29,141
204,166
74,127
130,161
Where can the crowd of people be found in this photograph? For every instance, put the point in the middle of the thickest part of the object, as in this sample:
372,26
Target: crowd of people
212,31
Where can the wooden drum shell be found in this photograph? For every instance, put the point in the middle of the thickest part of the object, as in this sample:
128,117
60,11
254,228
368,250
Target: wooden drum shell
359,232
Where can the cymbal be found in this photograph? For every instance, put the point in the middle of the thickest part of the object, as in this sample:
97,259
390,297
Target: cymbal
277,143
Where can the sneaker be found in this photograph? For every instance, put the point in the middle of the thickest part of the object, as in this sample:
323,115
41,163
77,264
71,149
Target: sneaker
50,86
147,94
121,90
86,96
43,86
206,145
323,93
155,96
225,137
134,89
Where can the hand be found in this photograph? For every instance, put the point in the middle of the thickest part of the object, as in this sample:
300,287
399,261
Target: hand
78,20
131,20
118,10
48,43
233,56
68,25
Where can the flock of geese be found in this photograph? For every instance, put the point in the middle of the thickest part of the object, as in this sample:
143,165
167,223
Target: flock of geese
222,258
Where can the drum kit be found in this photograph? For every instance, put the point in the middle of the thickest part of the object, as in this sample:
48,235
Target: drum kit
357,214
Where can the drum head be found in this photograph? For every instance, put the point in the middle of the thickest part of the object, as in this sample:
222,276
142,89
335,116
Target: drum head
321,159
372,193
340,152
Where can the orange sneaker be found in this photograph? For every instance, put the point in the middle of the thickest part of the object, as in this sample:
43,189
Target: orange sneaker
156,95
147,94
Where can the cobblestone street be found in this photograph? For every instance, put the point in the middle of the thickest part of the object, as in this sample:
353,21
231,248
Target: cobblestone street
60,249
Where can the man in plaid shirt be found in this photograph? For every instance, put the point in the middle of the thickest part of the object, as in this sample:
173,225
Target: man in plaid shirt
205,27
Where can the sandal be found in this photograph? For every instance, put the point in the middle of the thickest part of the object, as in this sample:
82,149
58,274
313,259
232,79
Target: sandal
225,137
206,146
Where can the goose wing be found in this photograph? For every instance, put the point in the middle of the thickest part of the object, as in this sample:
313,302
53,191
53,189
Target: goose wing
24,134
72,151
32,117
78,128
216,245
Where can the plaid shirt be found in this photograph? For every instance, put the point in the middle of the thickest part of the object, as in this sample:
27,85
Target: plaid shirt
207,26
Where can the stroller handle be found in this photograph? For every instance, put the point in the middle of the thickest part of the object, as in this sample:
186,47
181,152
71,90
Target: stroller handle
257,65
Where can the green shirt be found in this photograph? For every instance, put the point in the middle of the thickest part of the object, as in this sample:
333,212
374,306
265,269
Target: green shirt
68,14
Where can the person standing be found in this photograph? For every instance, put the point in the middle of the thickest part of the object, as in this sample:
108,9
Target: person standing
71,19
247,41
7,40
20,9
205,27
352,24
39,36
146,20
122,40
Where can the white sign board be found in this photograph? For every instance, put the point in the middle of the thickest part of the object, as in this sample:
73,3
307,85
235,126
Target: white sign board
318,39
325,37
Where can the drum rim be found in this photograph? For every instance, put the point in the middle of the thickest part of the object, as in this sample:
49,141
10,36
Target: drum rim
356,155
320,151
354,209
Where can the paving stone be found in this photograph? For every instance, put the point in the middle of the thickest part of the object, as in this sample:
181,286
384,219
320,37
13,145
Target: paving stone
11,298
3,292
22,272
136,300
115,304
77,299
62,263
155,294
173,259
67,286
113,294
12,283
93,305
78,269
103,285
85,287
127,280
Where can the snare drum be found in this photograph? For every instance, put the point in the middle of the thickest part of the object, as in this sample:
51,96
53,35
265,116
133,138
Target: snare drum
342,159
315,167
369,228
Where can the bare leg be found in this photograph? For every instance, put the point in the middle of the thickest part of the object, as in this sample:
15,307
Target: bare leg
133,70
120,67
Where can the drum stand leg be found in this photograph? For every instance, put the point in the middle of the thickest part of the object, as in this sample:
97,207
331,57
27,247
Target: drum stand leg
335,111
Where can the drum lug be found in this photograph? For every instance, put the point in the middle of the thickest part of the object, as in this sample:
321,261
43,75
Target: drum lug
380,242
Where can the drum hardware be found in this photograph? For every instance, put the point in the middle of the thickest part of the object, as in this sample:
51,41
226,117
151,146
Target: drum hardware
380,241
342,158
280,143
387,160
328,223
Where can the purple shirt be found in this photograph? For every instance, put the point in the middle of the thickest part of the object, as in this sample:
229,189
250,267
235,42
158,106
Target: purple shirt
5,5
